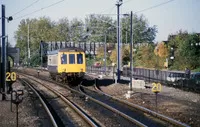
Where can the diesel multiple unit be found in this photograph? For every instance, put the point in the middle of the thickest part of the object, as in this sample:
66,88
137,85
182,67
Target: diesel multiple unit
66,64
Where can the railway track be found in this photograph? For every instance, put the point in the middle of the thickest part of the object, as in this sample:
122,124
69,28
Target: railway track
144,117
131,106
108,113
80,117
43,102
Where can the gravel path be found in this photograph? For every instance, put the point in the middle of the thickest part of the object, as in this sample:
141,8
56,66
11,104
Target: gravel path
180,105
31,112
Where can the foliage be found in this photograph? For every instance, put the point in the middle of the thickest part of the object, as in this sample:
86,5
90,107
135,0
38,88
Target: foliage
100,54
186,55
90,61
100,25
196,70
145,56
113,56
161,50
76,29
142,32
35,61
96,28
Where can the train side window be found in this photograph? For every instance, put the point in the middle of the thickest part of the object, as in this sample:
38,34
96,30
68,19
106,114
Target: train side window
71,59
79,58
63,59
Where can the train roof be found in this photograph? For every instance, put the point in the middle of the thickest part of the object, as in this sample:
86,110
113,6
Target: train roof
68,49
71,49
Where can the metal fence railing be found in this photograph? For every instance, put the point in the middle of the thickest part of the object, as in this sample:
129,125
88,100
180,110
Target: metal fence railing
138,73
150,75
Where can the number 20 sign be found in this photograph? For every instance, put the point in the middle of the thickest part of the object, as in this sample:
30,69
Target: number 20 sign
11,76
156,87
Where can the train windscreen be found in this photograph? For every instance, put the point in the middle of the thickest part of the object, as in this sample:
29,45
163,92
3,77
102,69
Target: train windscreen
71,59
79,58
63,59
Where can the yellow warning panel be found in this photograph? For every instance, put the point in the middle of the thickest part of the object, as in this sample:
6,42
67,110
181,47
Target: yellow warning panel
156,87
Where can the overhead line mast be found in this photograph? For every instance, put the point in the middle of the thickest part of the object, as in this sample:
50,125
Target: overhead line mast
119,3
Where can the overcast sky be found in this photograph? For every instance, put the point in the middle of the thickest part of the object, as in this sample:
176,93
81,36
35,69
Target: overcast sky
169,18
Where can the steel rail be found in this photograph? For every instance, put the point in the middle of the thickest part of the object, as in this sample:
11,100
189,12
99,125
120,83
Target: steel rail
72,105
160,116
114,110
43,103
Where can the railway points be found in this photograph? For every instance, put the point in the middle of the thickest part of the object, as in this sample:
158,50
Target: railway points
101,114
140,114
175,103
171,101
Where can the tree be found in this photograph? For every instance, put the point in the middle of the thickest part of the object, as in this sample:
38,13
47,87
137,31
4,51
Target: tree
145,56
38,30
186,55
100,54
162,50
190,53
100,25
113,56
142,32
62,29
76,29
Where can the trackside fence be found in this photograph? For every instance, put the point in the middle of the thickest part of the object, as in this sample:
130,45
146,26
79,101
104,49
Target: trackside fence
150,75
138,73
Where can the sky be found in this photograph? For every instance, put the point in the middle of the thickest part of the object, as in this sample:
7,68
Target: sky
169,18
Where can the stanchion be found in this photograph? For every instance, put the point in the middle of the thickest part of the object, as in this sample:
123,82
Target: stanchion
156,101
17,100
156,89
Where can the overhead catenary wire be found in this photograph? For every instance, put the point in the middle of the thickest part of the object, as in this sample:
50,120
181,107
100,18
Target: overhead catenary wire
136,11
39,9
152,7
126,1
158,5
108,9
25,8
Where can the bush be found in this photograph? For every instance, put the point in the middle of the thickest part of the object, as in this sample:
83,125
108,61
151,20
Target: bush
196,70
